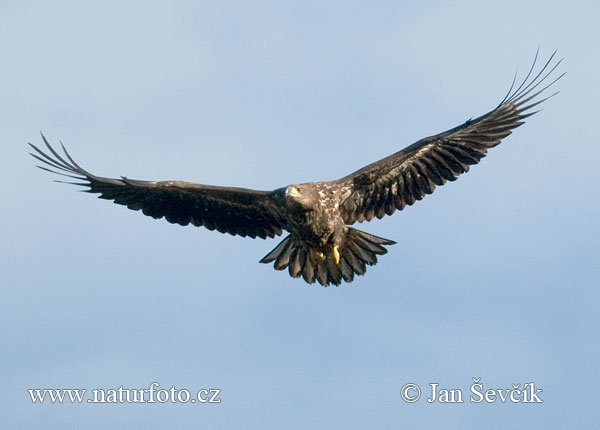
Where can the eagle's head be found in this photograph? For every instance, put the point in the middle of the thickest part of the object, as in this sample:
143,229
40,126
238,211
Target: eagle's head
303,195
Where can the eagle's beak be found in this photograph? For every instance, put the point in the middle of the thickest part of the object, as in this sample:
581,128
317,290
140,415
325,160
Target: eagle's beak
292,192
336,254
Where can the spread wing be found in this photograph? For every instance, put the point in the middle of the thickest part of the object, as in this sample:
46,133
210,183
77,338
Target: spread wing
408,175
236,211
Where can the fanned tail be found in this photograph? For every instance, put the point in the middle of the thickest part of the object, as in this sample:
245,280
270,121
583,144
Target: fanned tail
358,251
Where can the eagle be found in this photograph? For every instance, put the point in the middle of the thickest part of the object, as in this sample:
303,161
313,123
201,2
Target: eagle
321,245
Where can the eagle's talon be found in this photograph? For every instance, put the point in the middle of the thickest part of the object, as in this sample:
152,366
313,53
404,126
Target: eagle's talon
336,255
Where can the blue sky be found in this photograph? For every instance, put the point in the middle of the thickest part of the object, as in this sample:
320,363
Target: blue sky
494,276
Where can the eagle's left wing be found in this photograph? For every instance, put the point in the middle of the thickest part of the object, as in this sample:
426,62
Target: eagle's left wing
408,175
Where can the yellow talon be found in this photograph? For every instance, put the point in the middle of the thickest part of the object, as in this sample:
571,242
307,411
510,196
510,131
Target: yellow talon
320,255
336,255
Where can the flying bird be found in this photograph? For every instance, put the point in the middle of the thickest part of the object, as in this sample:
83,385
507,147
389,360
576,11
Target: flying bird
321,244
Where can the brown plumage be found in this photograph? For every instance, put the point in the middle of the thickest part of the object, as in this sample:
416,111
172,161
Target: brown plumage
321,246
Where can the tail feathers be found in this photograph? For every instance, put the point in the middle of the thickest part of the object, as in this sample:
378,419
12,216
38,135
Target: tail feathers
358,251
279,252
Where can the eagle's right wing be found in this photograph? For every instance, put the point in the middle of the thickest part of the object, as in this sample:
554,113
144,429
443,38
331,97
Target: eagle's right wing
236,211
410,174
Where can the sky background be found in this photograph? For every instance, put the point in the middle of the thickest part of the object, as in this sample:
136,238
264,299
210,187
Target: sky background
494,276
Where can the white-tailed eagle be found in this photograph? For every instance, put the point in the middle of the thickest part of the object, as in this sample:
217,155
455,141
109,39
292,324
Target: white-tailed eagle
321,246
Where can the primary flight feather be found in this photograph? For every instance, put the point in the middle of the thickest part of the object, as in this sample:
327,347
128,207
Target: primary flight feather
321,246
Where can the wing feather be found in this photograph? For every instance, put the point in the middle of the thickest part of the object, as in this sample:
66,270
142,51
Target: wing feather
409,175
